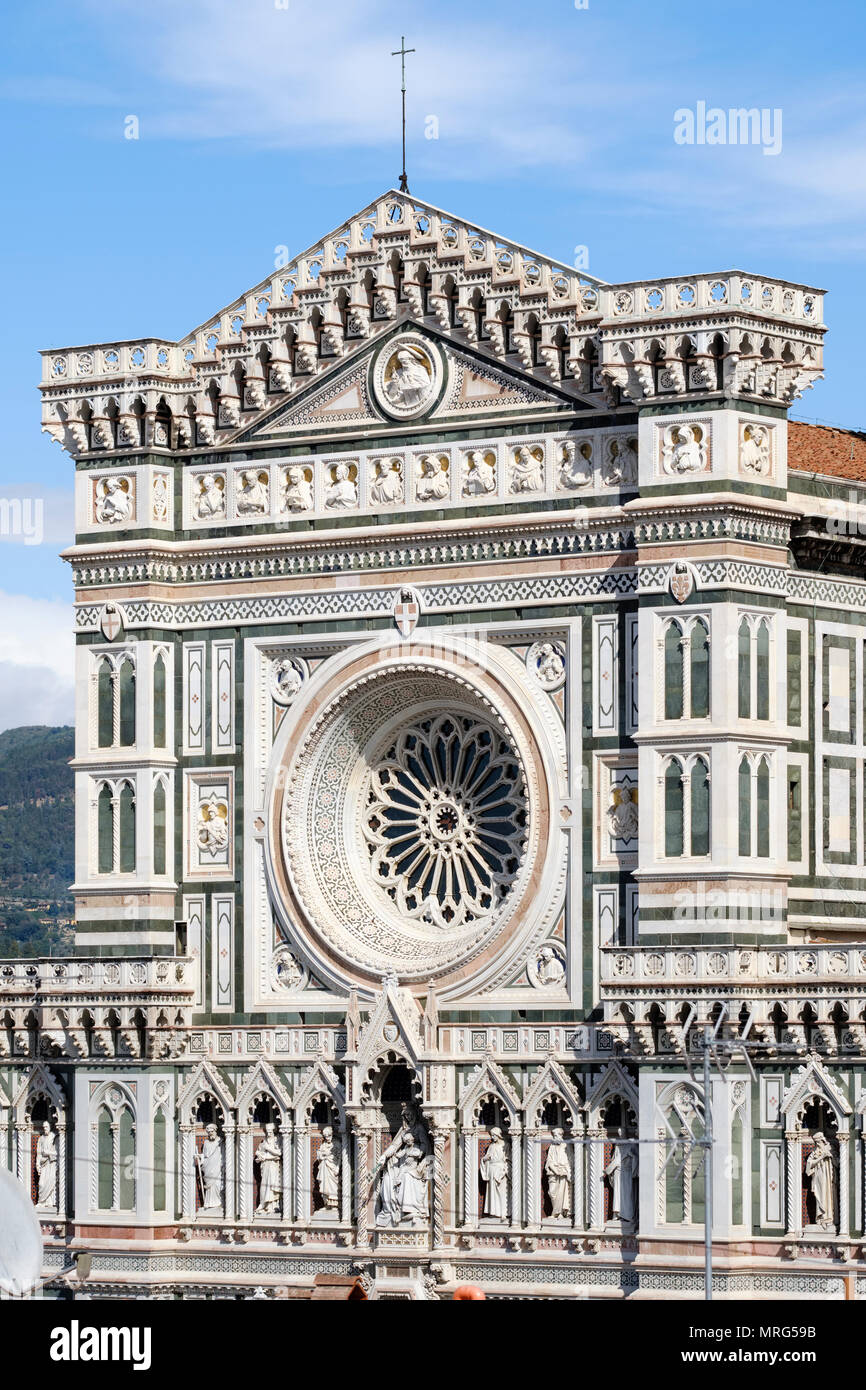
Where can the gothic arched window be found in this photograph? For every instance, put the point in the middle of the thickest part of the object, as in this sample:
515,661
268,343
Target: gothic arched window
127,704
699,670
745,806
127,829
159,831
673,671
160,1159
763,809
700,807
674,809
744,670
105,830
105,704
104,1161
762,662
126,1160
159,709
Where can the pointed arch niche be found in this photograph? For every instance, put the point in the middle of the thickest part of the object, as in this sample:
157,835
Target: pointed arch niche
489,1100
552,1102
319,1102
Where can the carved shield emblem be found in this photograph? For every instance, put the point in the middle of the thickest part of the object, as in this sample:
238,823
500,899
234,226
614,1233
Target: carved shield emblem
111,621
682,582
407,611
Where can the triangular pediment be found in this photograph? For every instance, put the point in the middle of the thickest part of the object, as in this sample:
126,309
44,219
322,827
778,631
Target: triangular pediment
550,1080
263,1079
38,1081
205,1079
319,1079
810,1080
490,1079
343,397
394,1025
613,1081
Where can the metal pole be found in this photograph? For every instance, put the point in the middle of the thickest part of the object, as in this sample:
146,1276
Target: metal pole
708,1176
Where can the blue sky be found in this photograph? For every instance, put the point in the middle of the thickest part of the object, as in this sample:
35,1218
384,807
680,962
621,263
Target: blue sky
266,122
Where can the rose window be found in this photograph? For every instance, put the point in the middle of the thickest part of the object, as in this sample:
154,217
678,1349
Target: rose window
445,820
413,824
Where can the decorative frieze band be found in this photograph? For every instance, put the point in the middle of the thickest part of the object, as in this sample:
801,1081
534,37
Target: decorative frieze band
342,604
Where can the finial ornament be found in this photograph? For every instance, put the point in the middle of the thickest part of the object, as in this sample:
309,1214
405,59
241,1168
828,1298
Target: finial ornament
401,53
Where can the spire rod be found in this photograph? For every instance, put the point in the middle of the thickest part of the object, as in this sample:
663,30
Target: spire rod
401,53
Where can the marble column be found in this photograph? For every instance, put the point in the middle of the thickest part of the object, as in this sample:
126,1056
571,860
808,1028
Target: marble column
844,1184
793,1181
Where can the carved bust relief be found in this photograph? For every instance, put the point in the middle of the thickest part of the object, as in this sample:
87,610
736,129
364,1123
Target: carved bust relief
407,374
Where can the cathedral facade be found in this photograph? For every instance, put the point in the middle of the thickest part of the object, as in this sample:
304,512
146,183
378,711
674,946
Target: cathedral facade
470,724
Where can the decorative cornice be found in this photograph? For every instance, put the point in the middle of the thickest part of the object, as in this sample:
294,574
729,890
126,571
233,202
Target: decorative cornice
717,335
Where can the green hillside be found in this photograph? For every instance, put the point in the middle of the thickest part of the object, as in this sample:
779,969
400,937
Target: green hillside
36,840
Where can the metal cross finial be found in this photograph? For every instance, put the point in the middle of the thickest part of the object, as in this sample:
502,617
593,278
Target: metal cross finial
401,52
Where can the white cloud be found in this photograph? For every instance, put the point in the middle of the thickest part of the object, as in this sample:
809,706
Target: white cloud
564,99
37,652
327,80
33,695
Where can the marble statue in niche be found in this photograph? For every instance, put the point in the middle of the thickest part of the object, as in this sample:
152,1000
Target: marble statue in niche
211,498
403,1172
213,827
622,815
253,494
298,492
46,1167
620,469
480,475
113,501
328,1170
684,449
621,1172
210,1169
432,481
527,470
557,1169
755,449
575,467
387,484
343,492
494,1174
269,1157
821,1170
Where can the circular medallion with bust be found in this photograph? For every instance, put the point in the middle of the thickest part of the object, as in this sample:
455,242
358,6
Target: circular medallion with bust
406,376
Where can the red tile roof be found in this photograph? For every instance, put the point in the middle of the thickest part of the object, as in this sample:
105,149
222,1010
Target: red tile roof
824,449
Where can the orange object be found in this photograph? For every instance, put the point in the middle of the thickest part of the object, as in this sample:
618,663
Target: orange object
469,1291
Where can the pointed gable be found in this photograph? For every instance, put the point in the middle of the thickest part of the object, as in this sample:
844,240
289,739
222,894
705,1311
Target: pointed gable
813,1080
550,1080
613,1081
393,1025
320,1079
35,1081
205,1080
263,1079
296,326
489,1080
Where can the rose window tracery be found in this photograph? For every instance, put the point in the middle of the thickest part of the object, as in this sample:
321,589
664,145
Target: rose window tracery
412,824
445,820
